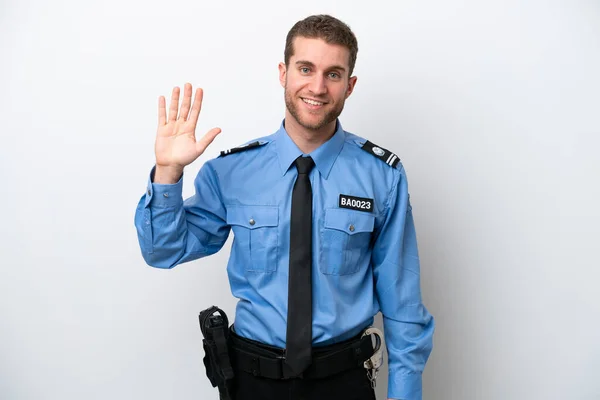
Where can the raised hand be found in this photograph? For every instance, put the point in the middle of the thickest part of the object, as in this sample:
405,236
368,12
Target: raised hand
176,145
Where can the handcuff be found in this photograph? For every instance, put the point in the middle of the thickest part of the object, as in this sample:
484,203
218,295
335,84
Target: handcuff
376,360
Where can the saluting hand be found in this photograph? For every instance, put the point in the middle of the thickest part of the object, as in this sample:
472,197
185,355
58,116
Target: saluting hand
176,145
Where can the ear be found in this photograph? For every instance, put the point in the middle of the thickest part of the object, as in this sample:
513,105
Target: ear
282,74
351,84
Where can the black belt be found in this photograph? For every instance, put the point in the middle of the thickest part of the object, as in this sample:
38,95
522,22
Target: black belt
267,361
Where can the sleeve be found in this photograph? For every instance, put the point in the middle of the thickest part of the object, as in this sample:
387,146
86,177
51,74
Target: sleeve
172,231
408,326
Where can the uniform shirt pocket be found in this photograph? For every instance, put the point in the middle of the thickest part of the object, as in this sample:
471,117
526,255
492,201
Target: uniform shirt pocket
345,240
256,235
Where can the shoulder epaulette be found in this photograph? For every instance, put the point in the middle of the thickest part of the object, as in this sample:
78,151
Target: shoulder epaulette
385,155
243,147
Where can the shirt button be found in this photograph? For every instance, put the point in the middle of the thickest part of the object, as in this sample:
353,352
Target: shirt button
252,222
149,192
166,194
351,228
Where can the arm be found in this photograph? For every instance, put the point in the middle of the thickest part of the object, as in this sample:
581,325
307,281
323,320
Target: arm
408,326
171,231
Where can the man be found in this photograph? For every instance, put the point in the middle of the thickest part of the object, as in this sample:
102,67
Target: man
323,232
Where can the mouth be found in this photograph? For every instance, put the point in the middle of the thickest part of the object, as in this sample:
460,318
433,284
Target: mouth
312,104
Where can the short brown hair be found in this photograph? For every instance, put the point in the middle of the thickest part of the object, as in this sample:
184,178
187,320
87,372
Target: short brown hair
326,27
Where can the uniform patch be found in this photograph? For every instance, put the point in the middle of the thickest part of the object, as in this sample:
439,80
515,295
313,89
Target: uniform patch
243,147
356,203
378,151
385,155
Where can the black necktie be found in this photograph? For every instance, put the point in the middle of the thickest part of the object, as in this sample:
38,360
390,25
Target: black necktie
299,318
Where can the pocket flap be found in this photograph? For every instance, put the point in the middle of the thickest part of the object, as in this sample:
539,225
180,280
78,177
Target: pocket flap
349,221
253,217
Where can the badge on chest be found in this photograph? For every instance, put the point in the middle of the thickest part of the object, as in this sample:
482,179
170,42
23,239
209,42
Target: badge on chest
356,203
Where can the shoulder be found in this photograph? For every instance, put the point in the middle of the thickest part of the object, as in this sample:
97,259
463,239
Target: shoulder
242,156
244,152
373,151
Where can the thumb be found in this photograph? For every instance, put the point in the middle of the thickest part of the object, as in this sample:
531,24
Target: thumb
207,139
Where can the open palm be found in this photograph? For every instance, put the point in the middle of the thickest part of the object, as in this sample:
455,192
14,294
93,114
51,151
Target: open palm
176,145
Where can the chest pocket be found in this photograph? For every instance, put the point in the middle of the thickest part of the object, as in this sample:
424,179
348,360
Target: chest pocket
256,236
345,239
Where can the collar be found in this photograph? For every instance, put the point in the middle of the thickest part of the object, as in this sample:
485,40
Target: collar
324,156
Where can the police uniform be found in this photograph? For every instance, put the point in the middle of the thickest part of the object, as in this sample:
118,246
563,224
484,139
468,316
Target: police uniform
364,259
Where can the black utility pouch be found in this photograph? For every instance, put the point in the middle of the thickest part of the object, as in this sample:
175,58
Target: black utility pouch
215,332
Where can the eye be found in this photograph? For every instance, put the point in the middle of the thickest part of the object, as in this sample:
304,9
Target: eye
304,70
334,75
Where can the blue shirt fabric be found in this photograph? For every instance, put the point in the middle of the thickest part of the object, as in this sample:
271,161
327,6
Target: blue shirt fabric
363,261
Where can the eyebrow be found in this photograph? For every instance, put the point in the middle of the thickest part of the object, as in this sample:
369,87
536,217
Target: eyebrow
308,63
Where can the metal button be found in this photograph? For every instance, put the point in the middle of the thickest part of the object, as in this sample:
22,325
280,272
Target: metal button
166,194
351,228
252,222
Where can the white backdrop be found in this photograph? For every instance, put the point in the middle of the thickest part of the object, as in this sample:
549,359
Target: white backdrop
494,108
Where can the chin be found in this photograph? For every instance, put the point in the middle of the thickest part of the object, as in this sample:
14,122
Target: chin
311,120
312,123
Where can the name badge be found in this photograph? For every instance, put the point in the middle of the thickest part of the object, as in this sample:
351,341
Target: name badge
356,203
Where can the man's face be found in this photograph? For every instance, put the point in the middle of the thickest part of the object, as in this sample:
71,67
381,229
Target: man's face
316,82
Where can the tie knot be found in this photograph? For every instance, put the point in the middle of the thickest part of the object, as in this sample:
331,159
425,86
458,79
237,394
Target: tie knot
304,164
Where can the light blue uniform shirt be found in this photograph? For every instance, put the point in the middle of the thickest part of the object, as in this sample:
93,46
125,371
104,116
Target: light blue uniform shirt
364,261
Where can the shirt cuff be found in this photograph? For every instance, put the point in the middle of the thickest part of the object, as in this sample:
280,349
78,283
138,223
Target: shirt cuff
405,387
163,195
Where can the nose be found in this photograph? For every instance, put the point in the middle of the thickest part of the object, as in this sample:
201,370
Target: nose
317,85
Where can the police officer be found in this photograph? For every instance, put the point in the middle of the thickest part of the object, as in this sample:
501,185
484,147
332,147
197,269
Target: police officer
324,237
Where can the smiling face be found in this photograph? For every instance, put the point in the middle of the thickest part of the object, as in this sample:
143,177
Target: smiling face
316,82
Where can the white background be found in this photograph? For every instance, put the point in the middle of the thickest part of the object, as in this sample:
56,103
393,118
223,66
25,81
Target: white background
494,108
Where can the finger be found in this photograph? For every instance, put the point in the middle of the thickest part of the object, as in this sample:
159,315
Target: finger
174,104
187,99
196,107
162,111
207,139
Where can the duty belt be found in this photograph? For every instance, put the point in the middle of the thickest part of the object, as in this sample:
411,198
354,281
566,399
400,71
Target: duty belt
269,362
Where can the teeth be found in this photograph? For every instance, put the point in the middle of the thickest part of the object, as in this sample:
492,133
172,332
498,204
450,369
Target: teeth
312,102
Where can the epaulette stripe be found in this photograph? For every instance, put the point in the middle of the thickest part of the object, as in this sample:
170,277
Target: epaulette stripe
242,148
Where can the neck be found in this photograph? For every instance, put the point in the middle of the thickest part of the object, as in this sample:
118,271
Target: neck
307,139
